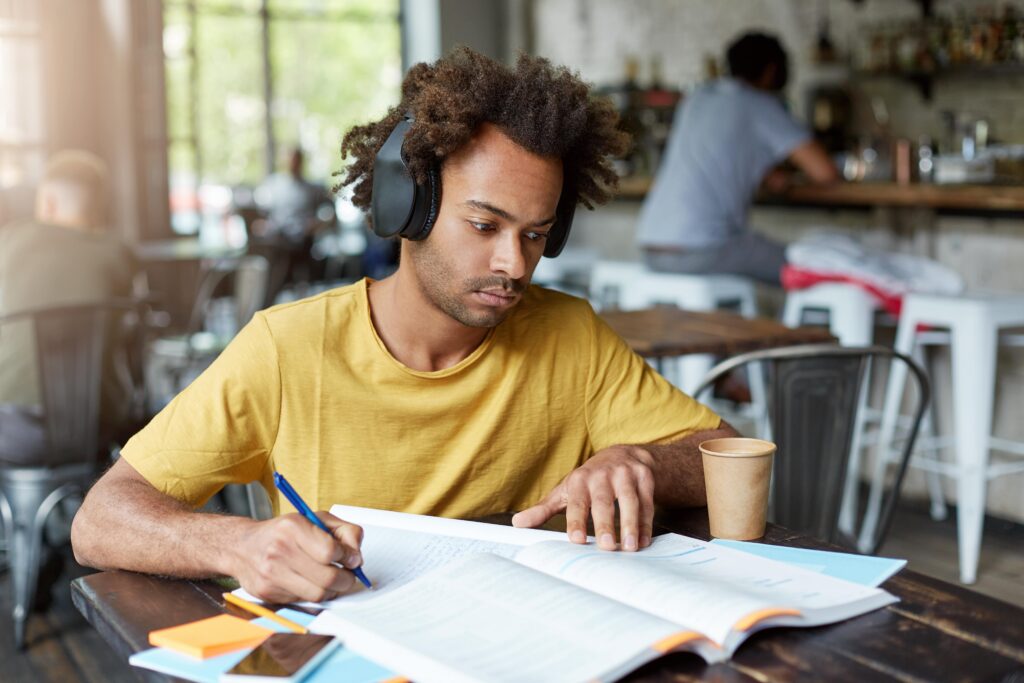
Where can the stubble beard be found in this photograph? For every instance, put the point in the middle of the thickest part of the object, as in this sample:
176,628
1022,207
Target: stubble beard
437,282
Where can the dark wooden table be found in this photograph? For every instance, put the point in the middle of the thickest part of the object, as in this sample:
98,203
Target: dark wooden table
937,632
666,331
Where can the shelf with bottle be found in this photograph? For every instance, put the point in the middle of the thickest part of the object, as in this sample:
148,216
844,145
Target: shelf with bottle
984,43
645,113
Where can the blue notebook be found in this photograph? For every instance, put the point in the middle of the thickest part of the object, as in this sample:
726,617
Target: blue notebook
863,569
344,665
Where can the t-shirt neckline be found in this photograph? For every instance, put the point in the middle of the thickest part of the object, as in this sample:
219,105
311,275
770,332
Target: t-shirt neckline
478,352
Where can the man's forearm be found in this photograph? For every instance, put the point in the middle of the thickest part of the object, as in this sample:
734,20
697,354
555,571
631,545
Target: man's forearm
130,525
678,470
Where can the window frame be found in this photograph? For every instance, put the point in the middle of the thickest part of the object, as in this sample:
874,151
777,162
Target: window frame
267,14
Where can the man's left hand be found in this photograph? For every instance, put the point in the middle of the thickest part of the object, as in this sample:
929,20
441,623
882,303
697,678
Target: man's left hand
620,473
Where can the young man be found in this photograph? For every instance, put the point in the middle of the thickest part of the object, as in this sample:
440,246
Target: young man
451,388
726,140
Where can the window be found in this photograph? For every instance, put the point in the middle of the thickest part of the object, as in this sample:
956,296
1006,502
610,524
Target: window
247,79
22,141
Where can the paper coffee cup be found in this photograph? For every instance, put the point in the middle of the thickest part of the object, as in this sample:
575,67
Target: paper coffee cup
737,472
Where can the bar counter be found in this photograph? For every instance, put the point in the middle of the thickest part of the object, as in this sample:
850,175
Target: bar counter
961,198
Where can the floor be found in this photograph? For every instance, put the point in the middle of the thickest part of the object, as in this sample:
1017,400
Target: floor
930,548
63,648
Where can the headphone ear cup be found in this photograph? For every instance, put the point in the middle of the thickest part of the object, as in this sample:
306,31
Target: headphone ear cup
559,234
428,205
394,200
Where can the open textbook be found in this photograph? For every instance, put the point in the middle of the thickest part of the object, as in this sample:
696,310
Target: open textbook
464,601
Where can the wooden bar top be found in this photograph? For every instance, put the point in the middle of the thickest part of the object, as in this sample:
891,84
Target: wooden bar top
950,197
965,197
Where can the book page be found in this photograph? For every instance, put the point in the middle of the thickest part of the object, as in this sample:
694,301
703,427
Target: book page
393,558
398,547
486,618
706,587
480,531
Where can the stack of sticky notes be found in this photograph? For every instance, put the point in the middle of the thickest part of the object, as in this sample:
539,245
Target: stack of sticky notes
210,637
342,665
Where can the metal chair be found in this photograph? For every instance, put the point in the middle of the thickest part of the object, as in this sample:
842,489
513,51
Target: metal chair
813,393
70,344
183,356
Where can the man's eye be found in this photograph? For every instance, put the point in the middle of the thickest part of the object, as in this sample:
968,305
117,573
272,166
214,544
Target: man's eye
535,236
481,227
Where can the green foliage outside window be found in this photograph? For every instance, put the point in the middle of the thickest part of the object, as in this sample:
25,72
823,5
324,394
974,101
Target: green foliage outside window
333,63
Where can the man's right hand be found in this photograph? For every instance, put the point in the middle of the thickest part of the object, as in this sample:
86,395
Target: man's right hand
125,523
287,559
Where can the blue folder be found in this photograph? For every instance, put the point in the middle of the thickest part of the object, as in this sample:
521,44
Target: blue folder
863,569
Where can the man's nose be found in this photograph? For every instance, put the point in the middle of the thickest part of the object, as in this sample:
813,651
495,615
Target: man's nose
508,257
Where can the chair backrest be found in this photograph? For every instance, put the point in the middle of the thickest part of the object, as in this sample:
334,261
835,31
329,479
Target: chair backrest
248,276
250,287
813,393
70,344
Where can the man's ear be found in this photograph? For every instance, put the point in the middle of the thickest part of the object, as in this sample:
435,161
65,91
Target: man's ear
768,76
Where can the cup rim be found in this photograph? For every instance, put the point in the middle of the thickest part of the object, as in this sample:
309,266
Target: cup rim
719,447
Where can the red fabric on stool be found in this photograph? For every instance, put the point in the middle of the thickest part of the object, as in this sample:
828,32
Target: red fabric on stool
800,278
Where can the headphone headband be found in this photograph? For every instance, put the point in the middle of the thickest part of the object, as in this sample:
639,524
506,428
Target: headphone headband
402,207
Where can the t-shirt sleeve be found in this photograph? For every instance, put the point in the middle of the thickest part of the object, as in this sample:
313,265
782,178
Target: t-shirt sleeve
779,130
628,402
221,429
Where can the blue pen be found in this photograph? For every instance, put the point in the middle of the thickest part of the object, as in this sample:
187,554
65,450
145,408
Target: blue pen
293,497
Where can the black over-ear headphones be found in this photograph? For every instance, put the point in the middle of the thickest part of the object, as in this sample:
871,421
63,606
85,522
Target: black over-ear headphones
402,207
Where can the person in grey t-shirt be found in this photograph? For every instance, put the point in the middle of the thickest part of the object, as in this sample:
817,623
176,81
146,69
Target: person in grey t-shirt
728,138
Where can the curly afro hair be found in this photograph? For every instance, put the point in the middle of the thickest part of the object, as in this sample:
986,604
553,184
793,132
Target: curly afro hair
545,109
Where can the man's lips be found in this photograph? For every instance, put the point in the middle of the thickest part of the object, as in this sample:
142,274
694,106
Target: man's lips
496,297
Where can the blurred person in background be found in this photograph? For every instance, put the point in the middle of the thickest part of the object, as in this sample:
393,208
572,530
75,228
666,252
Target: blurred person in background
727,140
64,256
296,209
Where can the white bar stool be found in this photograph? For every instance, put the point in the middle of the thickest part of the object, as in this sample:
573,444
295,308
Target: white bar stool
700,293
851,310
974,321
851,319
631,285
611,285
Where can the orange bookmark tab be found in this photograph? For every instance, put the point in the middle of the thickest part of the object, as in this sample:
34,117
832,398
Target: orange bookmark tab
748,622
210,637
673,641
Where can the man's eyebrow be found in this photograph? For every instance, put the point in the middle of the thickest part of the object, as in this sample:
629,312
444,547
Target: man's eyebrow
502,213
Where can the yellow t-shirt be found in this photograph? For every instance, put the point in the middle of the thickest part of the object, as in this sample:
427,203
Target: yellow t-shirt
309,389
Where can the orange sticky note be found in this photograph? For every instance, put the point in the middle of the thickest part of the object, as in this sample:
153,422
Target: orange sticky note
210,637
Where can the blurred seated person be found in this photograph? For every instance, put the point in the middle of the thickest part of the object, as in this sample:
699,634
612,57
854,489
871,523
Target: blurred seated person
65,256
728,139
296,209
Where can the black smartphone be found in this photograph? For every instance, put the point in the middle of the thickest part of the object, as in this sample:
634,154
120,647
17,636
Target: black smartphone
282,658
